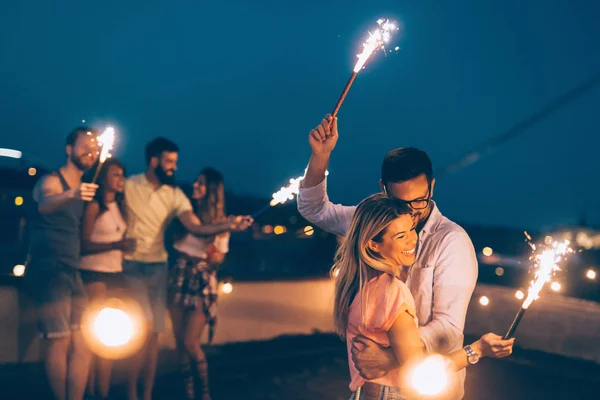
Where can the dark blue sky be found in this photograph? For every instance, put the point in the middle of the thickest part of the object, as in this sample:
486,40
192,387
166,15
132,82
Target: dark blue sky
239,84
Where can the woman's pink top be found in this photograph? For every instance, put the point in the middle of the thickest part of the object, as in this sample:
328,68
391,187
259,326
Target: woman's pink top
385,297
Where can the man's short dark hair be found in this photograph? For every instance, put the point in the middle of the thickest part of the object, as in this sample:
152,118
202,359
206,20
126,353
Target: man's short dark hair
158,146
405,163
79,131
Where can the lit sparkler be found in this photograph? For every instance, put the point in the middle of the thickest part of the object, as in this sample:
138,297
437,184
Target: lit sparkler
284,194
106,141
376,41
547,259
114,328
430,377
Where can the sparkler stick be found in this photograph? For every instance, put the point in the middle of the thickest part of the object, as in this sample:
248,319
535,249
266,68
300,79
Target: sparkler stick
262,210
105,140
376,41
546,260
344,93
515,324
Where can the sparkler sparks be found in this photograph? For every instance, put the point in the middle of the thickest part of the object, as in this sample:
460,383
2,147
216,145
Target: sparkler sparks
284,194
377,40
547,259
288,192
106,140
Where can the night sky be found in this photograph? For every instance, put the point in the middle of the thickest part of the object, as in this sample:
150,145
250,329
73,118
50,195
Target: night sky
238,85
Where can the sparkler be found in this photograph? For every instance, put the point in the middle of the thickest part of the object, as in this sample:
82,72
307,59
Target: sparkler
430,377
284,194
114,328
106,141
376,41
546,259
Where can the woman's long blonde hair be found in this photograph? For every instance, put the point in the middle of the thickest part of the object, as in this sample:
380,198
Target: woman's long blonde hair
355,262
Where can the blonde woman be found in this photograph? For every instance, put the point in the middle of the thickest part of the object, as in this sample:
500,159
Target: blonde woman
372,299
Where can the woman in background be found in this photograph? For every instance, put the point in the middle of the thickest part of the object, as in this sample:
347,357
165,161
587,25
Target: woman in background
193,283
102,246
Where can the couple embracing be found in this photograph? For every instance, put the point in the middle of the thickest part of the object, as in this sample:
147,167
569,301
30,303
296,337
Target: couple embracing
404,274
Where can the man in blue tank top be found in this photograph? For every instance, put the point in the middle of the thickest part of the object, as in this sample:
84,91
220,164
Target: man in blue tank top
54,254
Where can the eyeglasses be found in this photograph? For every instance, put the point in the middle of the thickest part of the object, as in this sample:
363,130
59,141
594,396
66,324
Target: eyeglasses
417,204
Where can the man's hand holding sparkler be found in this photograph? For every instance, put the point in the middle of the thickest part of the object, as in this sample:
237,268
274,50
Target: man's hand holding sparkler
323,138
322,141
492,345
49,194
85,191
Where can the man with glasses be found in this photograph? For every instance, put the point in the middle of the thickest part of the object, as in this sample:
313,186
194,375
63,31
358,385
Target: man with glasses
445,271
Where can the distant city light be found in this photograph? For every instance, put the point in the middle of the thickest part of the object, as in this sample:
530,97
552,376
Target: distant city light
32,171
279,229
520,295
590,274
19,270
267,229
499,271
484,301
555,286
227,288
10,153
548,240
309,230
487,251
18,201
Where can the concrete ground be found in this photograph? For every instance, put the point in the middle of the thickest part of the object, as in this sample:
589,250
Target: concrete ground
315,367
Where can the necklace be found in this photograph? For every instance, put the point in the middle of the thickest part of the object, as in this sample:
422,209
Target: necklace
115,218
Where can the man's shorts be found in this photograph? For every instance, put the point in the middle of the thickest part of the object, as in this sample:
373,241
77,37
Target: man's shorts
148,285
59,295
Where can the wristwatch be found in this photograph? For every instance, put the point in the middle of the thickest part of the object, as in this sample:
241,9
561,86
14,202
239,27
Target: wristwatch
472,357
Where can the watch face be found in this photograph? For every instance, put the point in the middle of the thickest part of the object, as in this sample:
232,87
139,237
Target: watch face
473,358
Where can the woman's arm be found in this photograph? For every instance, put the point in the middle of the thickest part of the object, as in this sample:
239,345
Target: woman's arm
404,339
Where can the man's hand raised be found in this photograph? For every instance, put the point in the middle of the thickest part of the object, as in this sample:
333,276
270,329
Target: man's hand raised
323,138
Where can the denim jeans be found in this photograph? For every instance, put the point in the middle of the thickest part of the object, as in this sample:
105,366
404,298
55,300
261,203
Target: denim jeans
373,391
148,285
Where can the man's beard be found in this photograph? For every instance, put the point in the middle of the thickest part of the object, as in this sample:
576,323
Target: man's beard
163,178
76,160
423,218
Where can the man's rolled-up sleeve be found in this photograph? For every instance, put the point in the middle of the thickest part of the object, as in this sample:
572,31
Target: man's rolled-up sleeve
314,205
454,280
